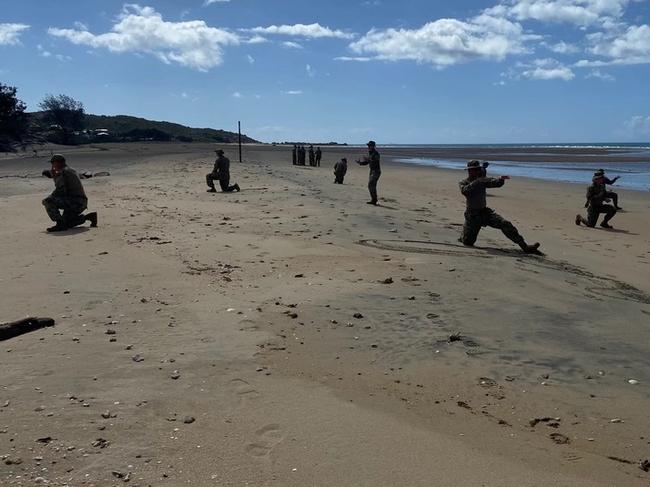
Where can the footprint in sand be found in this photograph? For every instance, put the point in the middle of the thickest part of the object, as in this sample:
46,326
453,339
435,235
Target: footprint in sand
243,390
267,438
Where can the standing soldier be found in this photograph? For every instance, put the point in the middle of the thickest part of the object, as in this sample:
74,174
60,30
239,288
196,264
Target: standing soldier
319,155
596,199
68,195
294,154
375,170
478,215
312,156
340,168
610,194
221,172
301,155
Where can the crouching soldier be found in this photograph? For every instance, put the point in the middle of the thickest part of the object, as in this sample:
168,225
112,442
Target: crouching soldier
221,173
478,215
597,198
68,201
340,169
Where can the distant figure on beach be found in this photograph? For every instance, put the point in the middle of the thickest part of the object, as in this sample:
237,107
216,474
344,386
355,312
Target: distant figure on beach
301,155
221,173
478,215
340,168
319,155
596,204
610,194
312,156
294,154
68,195
375,170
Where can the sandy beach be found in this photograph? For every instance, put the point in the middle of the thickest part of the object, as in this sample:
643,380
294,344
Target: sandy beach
291,335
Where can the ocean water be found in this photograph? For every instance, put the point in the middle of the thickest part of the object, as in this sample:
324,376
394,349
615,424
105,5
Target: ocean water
634,175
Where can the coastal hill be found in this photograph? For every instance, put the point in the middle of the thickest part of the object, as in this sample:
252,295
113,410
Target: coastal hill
125,128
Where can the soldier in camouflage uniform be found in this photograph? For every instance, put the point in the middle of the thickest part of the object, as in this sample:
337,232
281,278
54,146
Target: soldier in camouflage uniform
610,194
312,156
478,215
221,173
596,199
319,156
375,170
294,154
68,195
340,169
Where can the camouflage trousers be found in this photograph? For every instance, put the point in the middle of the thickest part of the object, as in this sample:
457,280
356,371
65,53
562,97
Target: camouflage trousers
72,210
224,182
476,219
372,184
594,211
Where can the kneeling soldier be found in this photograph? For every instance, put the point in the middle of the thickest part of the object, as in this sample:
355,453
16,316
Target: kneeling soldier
68,195
221,173
478,215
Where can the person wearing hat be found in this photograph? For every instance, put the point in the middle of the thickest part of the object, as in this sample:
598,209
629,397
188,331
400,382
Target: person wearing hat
610,194
68,201
340,169
596,204
221,173
478,215
375,170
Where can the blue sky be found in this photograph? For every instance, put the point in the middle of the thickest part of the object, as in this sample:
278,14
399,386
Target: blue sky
409,71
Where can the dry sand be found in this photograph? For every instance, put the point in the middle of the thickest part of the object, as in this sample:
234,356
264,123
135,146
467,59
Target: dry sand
211,339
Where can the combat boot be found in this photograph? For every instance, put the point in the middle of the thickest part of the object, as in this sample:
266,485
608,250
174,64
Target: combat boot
237,188
530,249
59,227
606,225
92,218
212,190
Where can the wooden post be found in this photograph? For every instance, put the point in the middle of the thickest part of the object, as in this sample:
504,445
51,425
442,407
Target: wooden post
239,130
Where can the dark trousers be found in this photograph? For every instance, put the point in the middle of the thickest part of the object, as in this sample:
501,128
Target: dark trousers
372,185
317,161
72,210
476,219
338,178
225,185
594,211
613,196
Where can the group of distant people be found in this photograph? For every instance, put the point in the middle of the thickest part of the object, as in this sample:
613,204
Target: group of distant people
67,204
299,155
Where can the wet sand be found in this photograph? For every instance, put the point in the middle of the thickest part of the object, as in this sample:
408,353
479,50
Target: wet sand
291,334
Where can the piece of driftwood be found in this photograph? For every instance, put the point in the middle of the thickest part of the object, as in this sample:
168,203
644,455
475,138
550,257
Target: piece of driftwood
20,327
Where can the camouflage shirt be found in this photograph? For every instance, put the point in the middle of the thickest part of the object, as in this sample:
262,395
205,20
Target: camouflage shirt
372,160
596,194
475,191
68,185
222,166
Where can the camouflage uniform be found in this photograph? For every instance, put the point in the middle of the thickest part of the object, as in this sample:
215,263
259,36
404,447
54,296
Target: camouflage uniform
340,169
375,172
312,156
478,215
319,155
69,196
294,155
596,196
221,173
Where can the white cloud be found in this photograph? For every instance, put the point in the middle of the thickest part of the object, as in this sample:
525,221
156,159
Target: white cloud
193,44
564,48
315,31
311,72
445,42
579,12
598,74
292,45
548,69
638,125
352,58
250,59
630,47
10,33
210,2
237,94
293,92
256,39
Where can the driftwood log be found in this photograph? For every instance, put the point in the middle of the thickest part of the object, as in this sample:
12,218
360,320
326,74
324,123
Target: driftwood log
20,327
